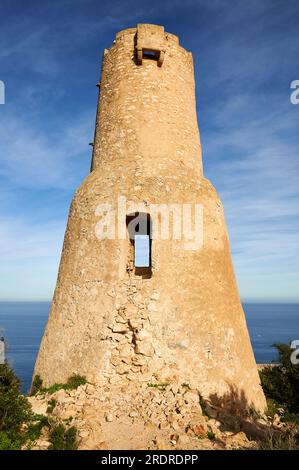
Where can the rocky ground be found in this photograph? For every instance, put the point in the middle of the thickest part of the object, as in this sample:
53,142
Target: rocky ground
148,417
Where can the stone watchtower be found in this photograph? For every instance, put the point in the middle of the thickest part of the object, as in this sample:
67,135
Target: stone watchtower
129,306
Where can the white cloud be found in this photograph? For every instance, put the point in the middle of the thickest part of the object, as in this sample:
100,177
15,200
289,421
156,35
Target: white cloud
36,158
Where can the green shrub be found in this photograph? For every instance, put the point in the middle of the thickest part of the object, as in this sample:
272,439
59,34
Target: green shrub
281,383
35,426
73,382
36,384
62,438
211,435
51,406
273,407
14,409
19,426
9,443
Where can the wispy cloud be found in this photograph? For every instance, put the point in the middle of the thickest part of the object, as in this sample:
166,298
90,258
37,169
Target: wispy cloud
43,159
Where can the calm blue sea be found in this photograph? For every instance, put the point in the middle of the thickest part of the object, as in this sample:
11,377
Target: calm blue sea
24,323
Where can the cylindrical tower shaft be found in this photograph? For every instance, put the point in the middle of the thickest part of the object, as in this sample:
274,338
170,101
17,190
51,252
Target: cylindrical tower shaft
147,108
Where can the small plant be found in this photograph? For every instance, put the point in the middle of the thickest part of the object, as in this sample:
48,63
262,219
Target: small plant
51,405
75,381
62,438
52,389
72,383
211,435
272,407
68,421
36,385
34,428
161,386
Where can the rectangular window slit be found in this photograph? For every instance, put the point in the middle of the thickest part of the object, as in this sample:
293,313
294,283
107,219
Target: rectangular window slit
142,251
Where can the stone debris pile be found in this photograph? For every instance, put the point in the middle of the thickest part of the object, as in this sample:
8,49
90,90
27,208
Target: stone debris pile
150,416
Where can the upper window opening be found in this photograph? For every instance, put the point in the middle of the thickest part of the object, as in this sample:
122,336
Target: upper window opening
150,54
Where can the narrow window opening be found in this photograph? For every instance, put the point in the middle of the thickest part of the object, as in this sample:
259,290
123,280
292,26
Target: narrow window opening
142,251
150,54
139,230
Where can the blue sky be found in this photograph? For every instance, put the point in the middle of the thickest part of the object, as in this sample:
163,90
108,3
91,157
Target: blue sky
246,56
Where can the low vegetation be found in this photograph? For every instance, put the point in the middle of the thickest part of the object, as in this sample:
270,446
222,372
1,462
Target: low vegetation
159,386
51,406
20,427
281,385
62,438
286,440
14,410
72,383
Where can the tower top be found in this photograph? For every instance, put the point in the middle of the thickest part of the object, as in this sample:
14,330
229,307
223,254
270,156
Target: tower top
146,104
150,41
147,30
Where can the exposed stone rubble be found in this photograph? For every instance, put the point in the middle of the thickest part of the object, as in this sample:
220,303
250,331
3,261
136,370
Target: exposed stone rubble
150,416
134,335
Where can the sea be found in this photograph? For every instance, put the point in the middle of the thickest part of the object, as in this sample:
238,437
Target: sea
23,323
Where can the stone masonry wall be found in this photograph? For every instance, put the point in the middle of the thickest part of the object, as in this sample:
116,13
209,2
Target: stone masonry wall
184,324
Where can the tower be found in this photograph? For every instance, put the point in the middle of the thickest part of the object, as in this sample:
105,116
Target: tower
130,305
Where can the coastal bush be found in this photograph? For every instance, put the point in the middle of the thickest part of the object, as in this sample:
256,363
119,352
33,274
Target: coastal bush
14,410
287,440
37,422
51,405
36,384
19,427
62,438
281,383
9,443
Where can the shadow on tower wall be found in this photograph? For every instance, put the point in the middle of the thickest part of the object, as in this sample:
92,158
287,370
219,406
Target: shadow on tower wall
236,414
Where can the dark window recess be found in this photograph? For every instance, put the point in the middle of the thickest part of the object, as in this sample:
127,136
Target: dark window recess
150,54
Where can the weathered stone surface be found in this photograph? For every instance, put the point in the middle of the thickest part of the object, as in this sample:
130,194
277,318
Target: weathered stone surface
40,405
147,149
200,430
145,348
